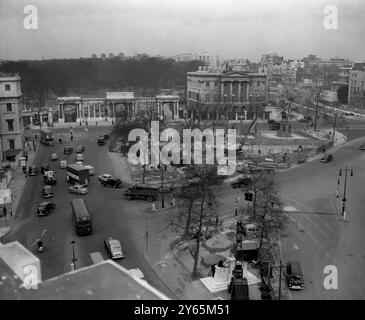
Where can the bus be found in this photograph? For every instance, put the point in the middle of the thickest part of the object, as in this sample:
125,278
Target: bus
46,137
81,217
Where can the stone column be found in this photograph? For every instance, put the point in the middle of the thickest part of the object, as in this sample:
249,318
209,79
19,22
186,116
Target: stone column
177,109
230,91
88,112
222,91
239,91
247,86
94,114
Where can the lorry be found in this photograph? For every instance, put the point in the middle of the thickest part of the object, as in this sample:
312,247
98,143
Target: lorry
77,174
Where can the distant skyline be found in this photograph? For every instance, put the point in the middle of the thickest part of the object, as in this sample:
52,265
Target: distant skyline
228,28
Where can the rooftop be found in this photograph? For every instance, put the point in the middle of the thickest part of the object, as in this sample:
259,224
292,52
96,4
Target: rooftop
358,66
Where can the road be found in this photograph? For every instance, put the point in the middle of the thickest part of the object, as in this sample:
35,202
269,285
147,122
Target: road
112,216
315,236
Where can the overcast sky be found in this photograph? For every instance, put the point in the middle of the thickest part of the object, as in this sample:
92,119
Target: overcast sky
229,28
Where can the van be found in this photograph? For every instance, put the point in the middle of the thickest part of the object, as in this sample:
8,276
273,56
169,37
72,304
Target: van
96,257
142,192
294,275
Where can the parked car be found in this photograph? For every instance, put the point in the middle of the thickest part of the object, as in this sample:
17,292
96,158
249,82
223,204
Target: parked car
303,119
79,157
240,182
33,170
80,163
45,208
362,147
80,148
78,189
112,183
106,136
142,192
294,275
63,164
104,177
54,156
45,167
326,158
67,150
101,140
114,248
47,191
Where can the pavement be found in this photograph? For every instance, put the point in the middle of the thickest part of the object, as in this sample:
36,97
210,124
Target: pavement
17,184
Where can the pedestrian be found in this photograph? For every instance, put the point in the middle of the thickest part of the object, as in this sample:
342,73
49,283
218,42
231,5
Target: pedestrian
60,140
72,137
4,211
212,269
34,146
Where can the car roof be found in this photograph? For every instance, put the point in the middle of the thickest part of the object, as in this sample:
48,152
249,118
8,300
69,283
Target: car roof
114,243
44,203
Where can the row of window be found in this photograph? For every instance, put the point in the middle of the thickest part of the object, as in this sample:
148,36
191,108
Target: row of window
214,84
354,82
355,89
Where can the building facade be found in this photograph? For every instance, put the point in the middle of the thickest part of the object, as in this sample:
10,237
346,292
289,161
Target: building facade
233,95
11,124
116,106
356,97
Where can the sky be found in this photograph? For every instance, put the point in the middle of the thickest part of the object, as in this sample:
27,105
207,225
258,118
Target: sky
229,28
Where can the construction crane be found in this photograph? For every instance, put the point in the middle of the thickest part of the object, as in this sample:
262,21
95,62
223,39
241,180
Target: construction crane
245,132
238,287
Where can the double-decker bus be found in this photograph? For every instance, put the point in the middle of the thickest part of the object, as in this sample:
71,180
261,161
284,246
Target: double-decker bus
81,217
46,137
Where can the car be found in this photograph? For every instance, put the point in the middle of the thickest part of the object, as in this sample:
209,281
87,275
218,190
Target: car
242,181
33,170
63,164
104,177
54,156
47,191
112,183
67,149
78,188
106,136
114,248
49,177
45,167
79,157
294,276
101,140
326,158
45,208
80,148
80,163
142,192
362,147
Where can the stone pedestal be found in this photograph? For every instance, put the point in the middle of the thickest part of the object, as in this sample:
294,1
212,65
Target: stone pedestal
223,275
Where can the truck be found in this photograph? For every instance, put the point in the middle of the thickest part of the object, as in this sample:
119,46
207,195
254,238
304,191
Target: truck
77,174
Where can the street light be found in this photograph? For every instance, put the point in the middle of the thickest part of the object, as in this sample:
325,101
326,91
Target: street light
346,170
74,259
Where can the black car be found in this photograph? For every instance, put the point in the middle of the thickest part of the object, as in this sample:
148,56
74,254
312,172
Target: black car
33,171
241,182
49,179
294,275
45,167
112,183
326,158
101,141
80,149
45,208
106,136
67,150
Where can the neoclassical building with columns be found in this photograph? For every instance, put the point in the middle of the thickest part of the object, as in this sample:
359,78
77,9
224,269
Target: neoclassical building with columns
116,106
234,94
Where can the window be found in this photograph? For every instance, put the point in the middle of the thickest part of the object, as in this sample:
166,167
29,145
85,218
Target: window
216,84
10,125
207,84
11,144
7,87
207,97
8,107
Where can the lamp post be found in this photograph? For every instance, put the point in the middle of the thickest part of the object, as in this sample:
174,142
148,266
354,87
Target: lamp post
74,259
236,209
346,170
